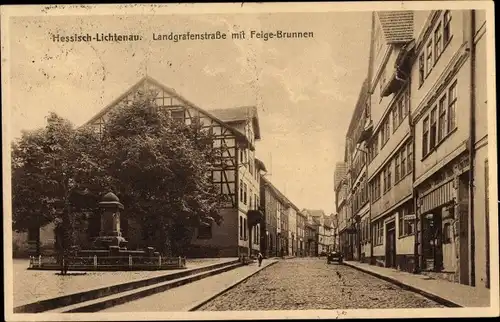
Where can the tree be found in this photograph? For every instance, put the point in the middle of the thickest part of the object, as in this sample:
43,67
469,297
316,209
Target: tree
161,170
50,166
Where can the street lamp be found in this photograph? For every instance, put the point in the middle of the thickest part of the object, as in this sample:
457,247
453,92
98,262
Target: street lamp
267,243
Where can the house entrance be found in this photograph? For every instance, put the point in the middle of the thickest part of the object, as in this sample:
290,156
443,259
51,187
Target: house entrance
432,241
390,245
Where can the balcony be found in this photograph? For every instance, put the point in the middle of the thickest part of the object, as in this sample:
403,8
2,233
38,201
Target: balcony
402,71
255,216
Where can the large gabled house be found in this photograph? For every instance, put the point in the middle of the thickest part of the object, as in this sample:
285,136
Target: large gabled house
236,174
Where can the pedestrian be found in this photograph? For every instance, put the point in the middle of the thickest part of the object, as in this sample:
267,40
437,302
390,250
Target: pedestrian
260,258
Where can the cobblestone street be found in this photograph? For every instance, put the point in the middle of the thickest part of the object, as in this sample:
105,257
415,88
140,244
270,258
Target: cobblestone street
309,283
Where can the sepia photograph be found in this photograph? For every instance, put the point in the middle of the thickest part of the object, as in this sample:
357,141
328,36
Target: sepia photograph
249,161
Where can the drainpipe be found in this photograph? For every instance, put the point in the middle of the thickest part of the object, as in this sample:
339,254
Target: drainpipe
472,141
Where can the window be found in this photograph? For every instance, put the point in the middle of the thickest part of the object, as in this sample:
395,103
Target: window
446,27
241,227
406,224
244,228
433,129
438,43
409,159
403,162
421,69
396,168
378,233
241,157
429,62
250,196
442,118
245,190
376,187
205,231
387,178
406,104
425,137
395,118
241,190
177,116
385,130
452,102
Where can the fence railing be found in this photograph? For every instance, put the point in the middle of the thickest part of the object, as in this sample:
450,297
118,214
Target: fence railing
95,262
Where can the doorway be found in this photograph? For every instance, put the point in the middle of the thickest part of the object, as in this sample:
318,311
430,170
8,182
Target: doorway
390,245
433,241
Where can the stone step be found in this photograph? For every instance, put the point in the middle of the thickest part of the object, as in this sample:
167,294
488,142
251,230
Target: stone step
107,302
93,294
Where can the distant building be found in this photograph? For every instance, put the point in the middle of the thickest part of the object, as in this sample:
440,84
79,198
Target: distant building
301,234
281,221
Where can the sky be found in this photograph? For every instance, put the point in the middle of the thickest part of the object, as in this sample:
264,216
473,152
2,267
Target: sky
305,89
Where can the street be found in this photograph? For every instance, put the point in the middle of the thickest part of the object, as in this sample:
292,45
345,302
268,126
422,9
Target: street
309,283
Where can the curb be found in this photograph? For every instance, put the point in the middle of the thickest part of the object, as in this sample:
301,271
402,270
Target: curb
431,296
203,302
82,296
132,295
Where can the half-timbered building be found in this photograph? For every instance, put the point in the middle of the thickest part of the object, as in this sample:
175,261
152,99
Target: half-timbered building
235,174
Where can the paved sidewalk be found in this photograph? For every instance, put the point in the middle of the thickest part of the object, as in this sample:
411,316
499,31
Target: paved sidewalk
448,293
191,296
34,285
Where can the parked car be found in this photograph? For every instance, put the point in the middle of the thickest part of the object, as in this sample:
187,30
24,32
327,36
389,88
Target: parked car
323,253
334,257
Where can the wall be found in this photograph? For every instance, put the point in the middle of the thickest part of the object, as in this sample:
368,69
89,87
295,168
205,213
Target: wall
456,138
424,96
20,246
481,208
394,142
224,237
397,193
419,92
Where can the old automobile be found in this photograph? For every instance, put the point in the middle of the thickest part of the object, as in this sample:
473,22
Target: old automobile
334,257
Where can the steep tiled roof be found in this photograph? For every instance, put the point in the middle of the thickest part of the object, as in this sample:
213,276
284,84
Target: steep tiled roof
397,26
279,194
239,114
149,80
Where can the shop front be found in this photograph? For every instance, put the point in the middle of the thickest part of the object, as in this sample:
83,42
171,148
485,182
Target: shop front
444,225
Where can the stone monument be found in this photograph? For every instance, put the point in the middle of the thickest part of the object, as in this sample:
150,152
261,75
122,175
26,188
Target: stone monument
110,236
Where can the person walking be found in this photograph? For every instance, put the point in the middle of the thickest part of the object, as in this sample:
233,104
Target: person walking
260,258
